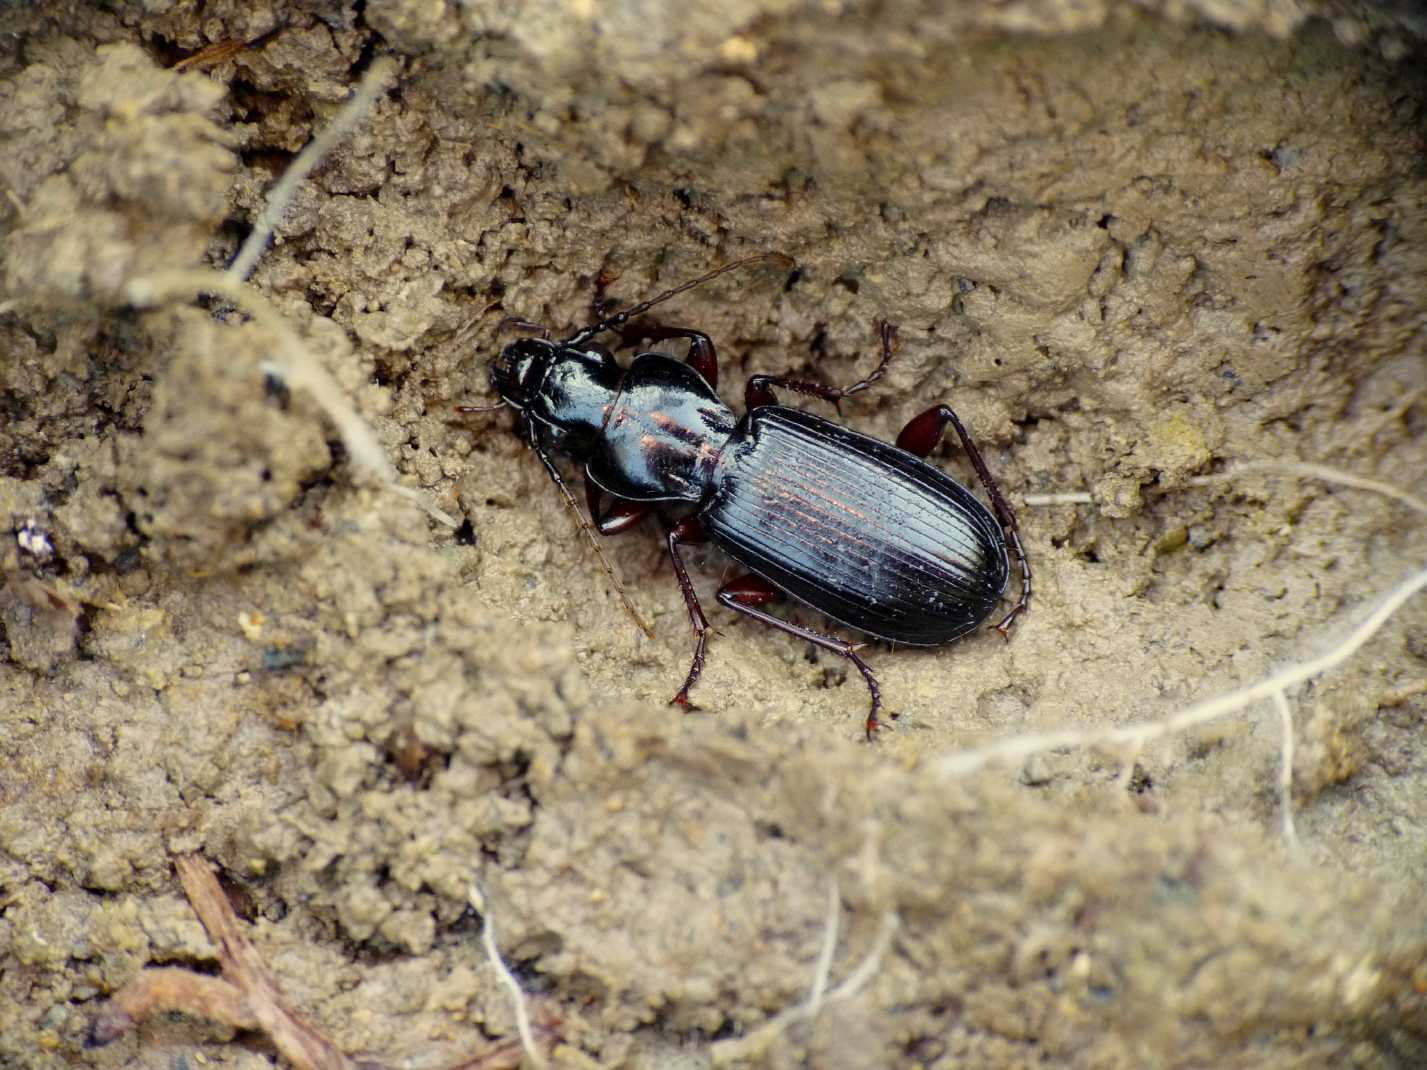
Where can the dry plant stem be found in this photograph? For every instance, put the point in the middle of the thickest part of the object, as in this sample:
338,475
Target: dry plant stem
1285,772
517,994
756,1043
246,997
165,989
211,56
1398,695
297,367
1075,497
965,762
311,155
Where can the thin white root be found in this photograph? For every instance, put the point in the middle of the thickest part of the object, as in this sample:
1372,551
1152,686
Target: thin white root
962,763
867,969
823,970
1284,468
1285,772
1313,471
280,197
517,994
296,366
755,1043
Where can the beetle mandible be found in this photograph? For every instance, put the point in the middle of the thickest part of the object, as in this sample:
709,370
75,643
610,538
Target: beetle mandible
866,533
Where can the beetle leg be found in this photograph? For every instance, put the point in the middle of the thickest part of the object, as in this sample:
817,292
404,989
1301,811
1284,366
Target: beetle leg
1013,536
749,590
530,430
623,514
759,390
921,436
599,302
686,531
701,358
746,592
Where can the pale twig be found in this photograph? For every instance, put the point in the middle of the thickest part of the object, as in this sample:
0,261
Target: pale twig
246,996
1398,695
1313,471
755,1043
296,366
1017,749
1075,497
311,155
517,994
1285,773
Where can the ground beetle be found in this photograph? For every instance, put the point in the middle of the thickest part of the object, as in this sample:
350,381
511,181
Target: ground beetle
868,534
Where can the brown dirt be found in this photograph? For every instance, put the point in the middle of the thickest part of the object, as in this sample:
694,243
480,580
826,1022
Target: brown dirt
1128,248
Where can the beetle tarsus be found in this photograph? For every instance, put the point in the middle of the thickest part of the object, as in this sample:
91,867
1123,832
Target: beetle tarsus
759,390
830,643
689,530
1013,537
695,671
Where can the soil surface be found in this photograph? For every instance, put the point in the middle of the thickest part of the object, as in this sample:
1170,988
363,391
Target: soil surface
1130,246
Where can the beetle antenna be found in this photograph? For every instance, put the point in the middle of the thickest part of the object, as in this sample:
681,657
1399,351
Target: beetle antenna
584,526
619,319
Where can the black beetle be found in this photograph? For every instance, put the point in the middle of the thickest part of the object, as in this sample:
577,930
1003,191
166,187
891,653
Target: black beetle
868,534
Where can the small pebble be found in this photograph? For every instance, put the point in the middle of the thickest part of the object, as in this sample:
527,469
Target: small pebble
1036,771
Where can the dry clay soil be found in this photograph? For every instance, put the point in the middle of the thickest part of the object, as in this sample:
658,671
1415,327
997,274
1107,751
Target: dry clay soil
1131,250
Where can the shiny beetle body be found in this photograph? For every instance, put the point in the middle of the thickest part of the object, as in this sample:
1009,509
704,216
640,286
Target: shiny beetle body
866,533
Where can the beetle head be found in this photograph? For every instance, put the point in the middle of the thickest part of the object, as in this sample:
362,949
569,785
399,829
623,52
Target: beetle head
519,371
